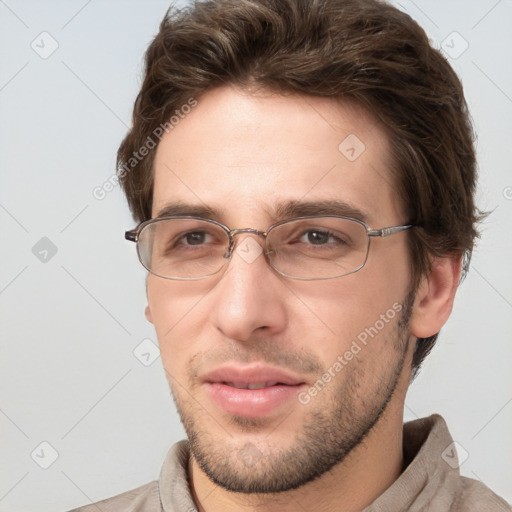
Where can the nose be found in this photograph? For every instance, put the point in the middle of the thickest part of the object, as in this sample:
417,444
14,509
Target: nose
250,297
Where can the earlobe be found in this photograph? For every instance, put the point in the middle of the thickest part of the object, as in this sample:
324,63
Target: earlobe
435,295
148,314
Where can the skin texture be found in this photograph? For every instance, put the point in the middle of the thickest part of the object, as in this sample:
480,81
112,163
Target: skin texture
242,154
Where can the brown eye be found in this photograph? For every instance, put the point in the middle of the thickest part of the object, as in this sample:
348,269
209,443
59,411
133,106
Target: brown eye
317,237
195,237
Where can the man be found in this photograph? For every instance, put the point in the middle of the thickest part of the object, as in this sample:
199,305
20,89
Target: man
303,176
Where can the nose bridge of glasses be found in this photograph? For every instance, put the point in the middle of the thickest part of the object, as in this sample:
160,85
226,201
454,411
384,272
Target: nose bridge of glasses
240,231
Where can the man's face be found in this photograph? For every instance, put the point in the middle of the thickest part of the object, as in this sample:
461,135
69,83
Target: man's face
327,354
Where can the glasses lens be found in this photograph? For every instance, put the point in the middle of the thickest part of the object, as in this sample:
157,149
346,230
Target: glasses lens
183,248
318,247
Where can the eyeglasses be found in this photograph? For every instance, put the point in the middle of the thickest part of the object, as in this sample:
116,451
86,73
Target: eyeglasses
307,248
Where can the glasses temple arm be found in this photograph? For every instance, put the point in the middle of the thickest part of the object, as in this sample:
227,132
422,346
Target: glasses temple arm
131,235
384,232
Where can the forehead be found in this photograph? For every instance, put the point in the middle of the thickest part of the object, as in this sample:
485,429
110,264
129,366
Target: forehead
245,156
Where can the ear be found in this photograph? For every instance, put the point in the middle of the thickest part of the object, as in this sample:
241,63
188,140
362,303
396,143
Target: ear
147,311
435,295
149,316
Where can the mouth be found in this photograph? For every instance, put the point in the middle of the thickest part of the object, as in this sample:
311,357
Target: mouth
253,391
253,385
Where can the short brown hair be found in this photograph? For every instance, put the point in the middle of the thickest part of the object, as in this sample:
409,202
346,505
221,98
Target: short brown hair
365,50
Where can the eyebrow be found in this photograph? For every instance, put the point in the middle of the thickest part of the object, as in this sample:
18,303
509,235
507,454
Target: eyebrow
323,207
279,211
180,209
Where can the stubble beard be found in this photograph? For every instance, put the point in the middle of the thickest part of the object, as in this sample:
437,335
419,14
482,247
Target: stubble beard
329,434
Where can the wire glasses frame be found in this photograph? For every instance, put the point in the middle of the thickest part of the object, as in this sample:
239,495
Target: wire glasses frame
160,240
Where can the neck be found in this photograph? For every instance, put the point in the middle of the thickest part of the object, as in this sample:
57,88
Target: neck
350,486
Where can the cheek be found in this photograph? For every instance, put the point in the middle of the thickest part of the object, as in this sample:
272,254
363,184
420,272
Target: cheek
350,303
177,316
355,315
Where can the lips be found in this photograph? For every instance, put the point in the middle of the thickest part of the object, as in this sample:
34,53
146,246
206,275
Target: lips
251,391
250,375
251,385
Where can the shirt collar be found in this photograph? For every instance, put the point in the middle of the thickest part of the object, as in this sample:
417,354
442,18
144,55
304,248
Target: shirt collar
432,473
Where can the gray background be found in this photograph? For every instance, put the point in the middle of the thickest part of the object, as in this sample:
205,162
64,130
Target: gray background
71,321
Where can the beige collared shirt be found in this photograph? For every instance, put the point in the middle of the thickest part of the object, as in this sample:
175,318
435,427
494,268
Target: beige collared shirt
431,481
